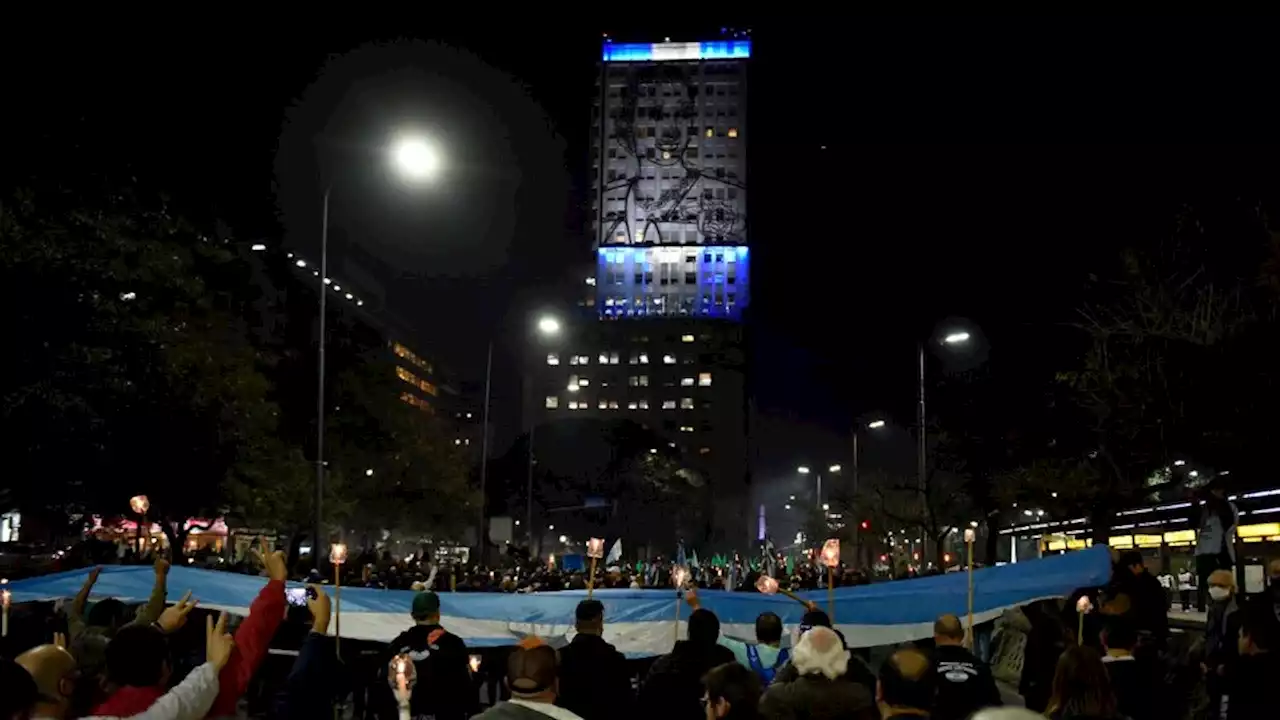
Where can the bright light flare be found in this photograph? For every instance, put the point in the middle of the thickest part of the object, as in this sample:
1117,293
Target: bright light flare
416,158
803,469
549,326
956,338
875,424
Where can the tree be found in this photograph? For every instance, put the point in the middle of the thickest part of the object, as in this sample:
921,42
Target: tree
128,372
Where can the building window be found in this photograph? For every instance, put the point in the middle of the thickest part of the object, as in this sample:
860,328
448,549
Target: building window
704,451
416,381
631,405
553,359
604,358
404,352
584,360
644,358
704,379
686,338
686,428
733,132
710,132
686,403
573,359
553,402
668,404
686,382
668,359
602,404
613,358
573,404
644,404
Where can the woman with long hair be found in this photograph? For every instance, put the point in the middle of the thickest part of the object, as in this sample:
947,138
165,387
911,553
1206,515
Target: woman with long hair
1081,688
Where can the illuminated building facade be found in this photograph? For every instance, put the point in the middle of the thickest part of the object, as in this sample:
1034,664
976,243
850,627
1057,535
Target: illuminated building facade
671,279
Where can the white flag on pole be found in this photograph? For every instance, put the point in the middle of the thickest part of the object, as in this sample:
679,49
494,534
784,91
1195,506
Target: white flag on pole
615,552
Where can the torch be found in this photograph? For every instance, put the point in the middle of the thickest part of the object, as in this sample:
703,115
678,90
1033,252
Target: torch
969,536
402,677
139,504
337,556
679,576
766,585
595,550
1083,607
831,558
5,597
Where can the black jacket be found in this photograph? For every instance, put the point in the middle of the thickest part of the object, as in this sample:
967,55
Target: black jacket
443,688
965,684
673,688
814,697
1136,686
595,682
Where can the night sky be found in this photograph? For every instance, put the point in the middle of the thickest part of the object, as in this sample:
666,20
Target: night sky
903,171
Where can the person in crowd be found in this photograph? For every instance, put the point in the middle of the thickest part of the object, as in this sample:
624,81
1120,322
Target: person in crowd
441,663
595,682
138,662
820,660
18,698
1133,681
965,683
673,687
1221,630
54,670
1216,539
1168,583
858,671
1046,641
1252,681
1081,688
533,678
107,616
732,693
766,656
1273,585
316,678
253,636
906,685
1146,597
1186,584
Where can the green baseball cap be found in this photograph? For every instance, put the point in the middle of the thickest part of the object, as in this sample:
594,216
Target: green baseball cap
425,604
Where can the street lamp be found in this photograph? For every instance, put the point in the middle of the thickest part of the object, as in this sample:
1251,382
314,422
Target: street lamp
415,159
548,326
922,471
873,425
804,470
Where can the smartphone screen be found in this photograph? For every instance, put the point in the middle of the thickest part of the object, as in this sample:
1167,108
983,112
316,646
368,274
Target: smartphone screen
296,596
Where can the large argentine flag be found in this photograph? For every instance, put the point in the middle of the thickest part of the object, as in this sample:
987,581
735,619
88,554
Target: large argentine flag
638,622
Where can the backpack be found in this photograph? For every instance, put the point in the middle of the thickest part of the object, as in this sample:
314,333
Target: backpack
767,674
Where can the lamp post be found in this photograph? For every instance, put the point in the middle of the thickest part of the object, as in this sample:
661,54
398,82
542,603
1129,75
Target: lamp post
416,160
873,425
922,464
804,470
548,326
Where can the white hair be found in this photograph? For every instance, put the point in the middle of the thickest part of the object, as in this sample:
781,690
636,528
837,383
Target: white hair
820,651
1006,713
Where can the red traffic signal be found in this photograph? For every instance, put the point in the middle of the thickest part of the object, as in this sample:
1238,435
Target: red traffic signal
865,525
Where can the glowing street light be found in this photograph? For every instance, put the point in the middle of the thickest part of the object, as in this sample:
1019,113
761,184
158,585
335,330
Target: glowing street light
548,325
834,469
803,469
956,338
416,158
875,424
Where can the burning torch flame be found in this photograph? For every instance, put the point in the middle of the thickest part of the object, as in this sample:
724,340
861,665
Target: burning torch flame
766,585
337,553
831,552
595,547
139,504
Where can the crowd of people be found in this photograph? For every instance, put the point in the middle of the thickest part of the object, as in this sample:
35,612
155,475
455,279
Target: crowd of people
111,661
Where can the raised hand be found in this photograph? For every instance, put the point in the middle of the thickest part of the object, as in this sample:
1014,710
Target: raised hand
161,567
218,643
93,576
319,607
60,640
175,616
273,562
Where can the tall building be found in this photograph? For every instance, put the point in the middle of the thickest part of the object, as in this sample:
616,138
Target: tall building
671,279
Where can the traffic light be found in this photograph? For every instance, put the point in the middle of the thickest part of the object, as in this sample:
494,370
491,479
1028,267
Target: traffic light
884,558
865,525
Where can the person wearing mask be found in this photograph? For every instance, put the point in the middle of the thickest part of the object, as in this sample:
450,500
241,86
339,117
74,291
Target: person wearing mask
1216,539
1134,682
441,663
820,660
595,682
766,655
1082,688
965,683
533,679
732,692
1221,629
906,686
1253,678
673,687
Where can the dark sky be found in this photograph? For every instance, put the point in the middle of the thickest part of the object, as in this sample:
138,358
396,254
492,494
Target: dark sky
974,168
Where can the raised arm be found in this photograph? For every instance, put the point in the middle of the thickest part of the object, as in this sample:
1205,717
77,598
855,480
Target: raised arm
75,614
150,612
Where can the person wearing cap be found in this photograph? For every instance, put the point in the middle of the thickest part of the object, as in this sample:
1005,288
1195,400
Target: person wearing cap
444,688
533,679
595,682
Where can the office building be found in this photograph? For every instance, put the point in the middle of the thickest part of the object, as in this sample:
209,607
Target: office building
671,279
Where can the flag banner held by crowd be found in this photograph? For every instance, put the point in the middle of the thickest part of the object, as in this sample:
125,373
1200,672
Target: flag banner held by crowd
638,622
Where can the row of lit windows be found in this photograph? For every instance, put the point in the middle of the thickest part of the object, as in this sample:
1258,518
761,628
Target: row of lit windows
416,381
580,381
612,357
416,401
404,352
553,402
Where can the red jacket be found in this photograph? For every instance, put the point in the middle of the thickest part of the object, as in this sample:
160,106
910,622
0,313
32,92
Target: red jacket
128,701
252,639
